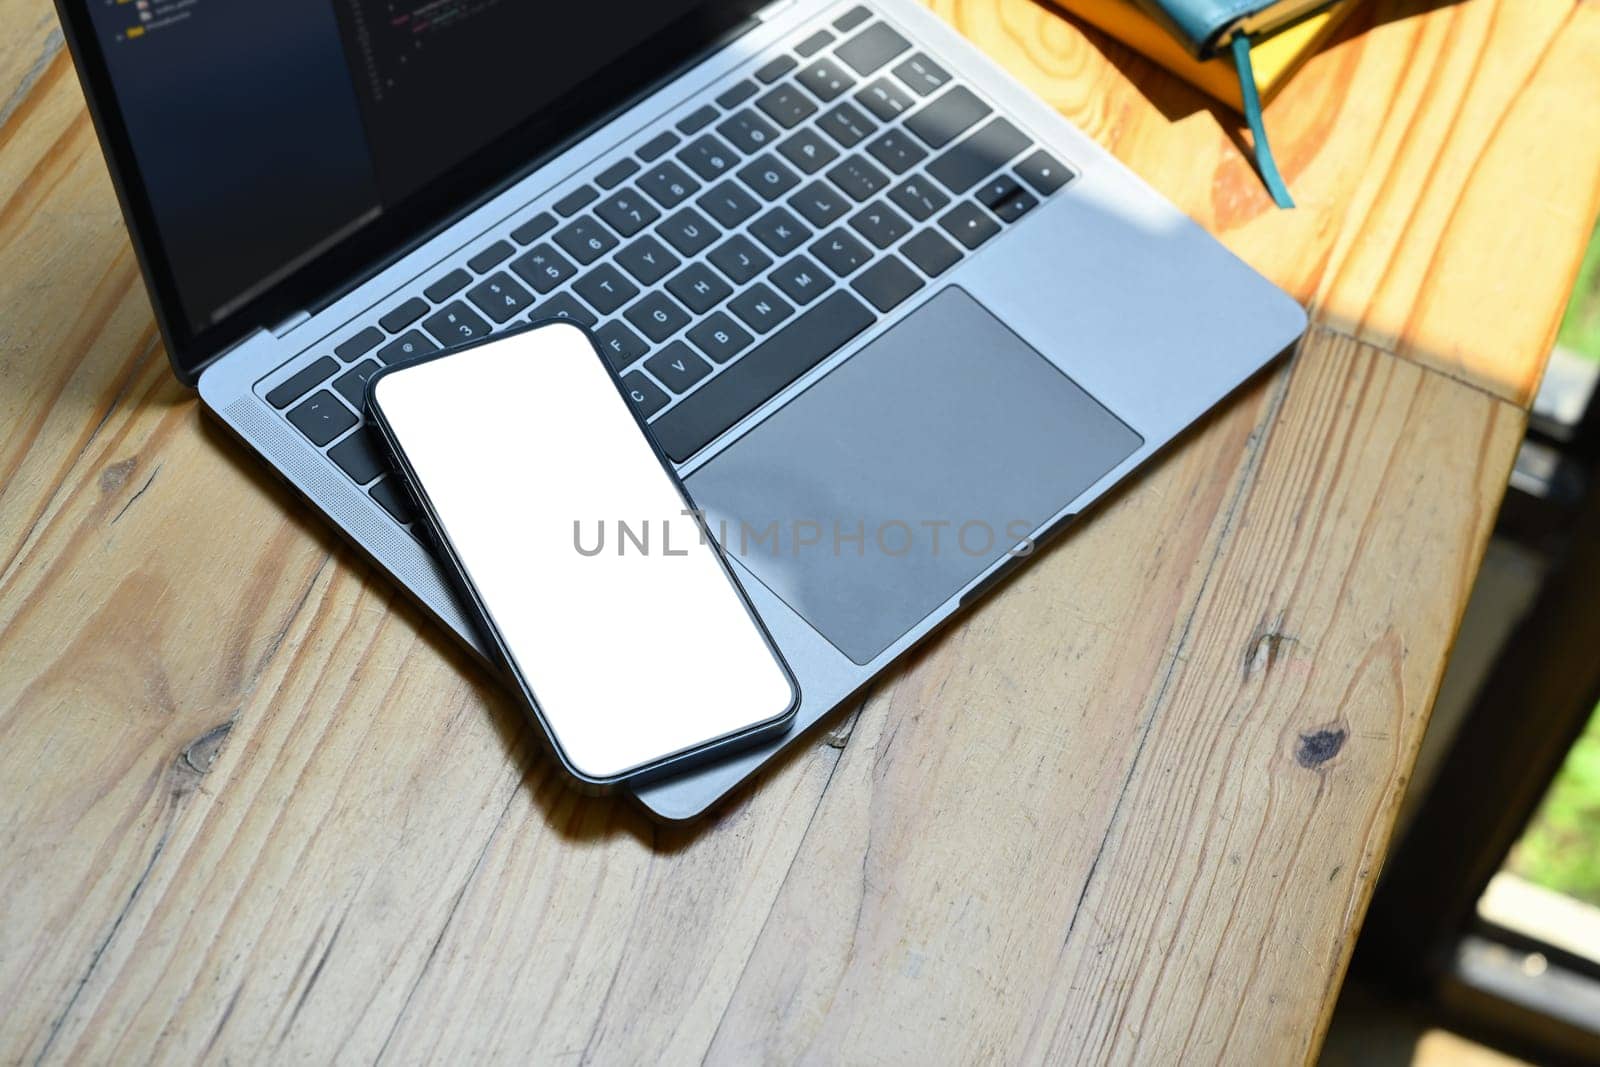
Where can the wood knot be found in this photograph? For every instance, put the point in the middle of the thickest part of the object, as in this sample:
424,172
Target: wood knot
116,476
198,756
1319,746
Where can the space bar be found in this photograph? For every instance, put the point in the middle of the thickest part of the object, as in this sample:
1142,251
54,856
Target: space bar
755,379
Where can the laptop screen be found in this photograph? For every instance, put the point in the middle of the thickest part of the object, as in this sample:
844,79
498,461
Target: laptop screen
270,150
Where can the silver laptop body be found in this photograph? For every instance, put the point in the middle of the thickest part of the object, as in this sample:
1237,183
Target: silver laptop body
1000,392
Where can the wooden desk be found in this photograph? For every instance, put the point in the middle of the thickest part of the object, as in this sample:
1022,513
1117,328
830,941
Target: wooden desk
1132,808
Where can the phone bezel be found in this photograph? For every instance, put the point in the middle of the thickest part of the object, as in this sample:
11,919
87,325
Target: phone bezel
666,763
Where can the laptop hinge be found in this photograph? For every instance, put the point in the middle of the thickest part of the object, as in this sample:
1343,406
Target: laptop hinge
771,11
290,323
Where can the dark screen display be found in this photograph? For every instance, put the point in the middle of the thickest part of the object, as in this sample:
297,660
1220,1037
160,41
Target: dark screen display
267,133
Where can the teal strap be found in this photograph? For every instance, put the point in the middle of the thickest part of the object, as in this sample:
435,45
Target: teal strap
1258,128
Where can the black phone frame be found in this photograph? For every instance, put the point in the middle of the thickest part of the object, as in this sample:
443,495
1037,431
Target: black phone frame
665,765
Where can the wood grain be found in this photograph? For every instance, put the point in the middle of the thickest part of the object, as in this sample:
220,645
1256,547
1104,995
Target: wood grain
254,807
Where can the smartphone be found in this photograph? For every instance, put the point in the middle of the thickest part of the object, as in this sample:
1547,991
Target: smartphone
591,572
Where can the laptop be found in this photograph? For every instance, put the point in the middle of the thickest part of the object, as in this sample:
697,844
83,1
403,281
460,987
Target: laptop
893,319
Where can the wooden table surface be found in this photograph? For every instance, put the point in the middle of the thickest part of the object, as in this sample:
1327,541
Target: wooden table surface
1131,808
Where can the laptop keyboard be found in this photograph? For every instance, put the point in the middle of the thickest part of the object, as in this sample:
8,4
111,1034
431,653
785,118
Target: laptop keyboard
726,255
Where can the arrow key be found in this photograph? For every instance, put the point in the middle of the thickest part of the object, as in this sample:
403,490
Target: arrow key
969,225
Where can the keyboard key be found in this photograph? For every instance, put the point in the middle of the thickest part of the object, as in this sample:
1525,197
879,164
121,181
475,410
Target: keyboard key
531,231
1044,172
352,384
575,201
880,224
359,345
807,150
543,268
768,176
787,106
489,257
585,240
780,231
1014,207
605,288
697,120
620,345
301,382
851,19
627,212
448,286
699,288
719,337
948,117
857,177
677,367
658,146
708,156
657,317
761,374
737,95
885,100
801,280
840,252
358,456
498,297
896,151
611,177
688,231
409,345
972,160
394,500
932,254
919,198
455,324
646,395
322,418
887,282
969,225
774,69
647,259
728,203
825,80
739,259
748,131
815,43
760,308
846,124
405,314
872,48
997,190
819,203
668,184
921,74
564,306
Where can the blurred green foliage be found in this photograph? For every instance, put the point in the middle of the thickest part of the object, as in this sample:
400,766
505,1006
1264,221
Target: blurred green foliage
1580,328
1561,848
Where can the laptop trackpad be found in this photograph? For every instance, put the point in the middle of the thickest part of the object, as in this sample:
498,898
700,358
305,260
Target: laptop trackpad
882,490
